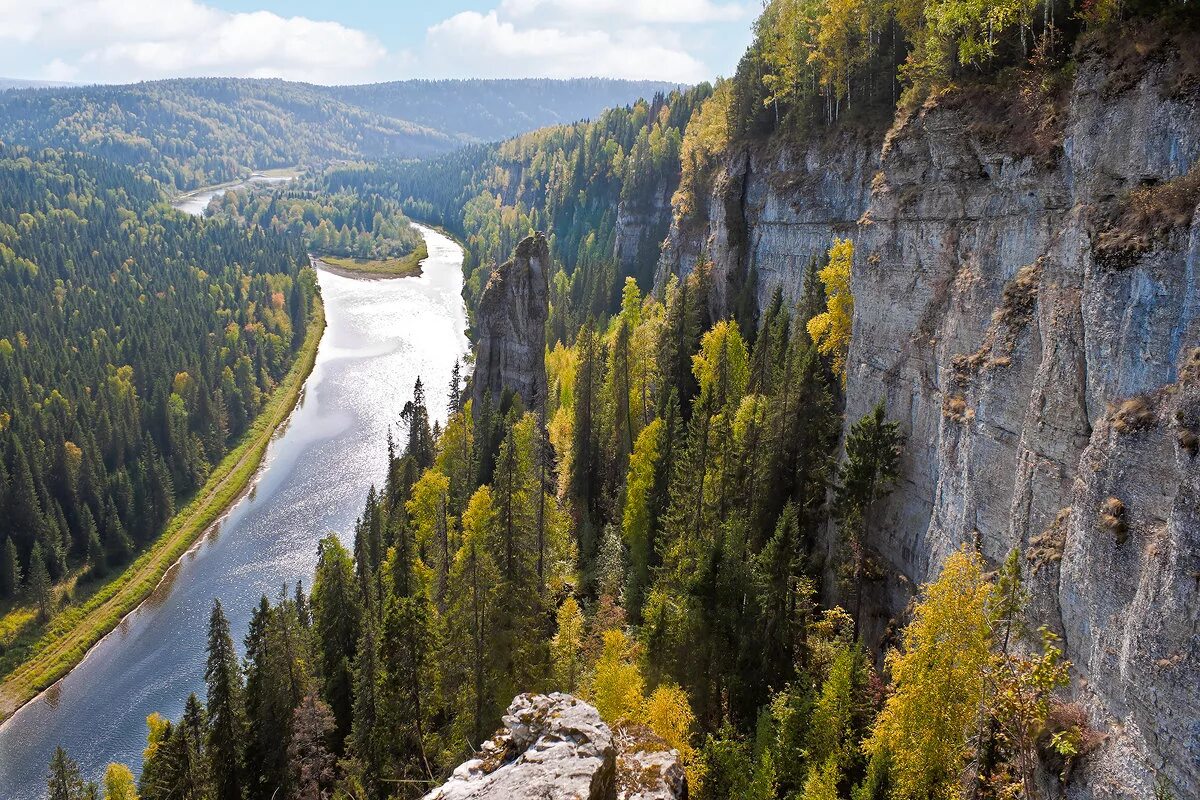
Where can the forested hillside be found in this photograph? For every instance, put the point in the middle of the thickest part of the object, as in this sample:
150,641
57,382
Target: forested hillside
197,131
490,110
367,227
571,180
694,527
136,345
192,132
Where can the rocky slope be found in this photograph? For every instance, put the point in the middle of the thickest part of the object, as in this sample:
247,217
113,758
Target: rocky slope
511,321
1026,306
556,747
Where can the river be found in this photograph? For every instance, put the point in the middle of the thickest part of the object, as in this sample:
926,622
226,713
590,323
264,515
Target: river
380,335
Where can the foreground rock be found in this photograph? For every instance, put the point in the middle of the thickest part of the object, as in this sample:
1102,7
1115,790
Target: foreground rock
511,321
556,747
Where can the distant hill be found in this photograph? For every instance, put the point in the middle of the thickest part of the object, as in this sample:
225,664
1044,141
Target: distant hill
21,83
490,110
195,131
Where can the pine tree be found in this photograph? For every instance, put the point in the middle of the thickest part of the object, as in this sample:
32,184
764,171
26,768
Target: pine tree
870,471
337,620
65,781
38,583
226,711
10,569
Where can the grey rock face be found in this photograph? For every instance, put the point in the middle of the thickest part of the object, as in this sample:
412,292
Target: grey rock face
556,747
511,320
640,230
771,213
1049,392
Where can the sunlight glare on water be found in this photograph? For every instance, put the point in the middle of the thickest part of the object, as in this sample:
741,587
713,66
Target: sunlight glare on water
381,335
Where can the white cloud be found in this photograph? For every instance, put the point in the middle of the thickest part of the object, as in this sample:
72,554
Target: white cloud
646,11
126,40
111,41
470,43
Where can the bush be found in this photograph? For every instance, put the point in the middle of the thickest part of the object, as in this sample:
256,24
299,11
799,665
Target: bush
1133,415
1112,517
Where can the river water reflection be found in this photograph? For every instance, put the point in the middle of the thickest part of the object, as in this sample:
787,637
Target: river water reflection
381,335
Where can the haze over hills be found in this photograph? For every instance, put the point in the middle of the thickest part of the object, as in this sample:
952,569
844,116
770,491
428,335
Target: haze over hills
193,131
488,110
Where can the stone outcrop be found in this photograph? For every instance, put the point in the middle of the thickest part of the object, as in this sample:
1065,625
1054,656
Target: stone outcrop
1042,359
556,747
511,323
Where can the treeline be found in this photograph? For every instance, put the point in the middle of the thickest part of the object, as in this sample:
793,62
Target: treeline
568,180
136,345
348,224
648,537
814,63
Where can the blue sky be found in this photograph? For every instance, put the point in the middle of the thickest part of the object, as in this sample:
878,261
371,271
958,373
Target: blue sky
356,41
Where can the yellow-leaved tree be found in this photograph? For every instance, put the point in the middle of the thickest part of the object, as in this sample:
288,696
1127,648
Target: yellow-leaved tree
830,330
938,678
618,683
119,783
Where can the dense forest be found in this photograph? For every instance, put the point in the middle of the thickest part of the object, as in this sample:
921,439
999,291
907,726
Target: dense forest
650,548
646,534
568,180
136,345
348,224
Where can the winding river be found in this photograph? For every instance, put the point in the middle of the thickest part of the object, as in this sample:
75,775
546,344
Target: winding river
380,336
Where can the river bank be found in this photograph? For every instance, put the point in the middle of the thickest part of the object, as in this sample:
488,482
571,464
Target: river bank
380,336
72,632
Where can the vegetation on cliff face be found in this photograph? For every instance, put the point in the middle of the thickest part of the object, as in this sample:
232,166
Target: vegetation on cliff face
648,539
650,531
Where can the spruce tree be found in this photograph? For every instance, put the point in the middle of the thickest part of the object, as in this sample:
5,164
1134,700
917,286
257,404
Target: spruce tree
868,475
337,620
226,712
65,781
10,569
38,583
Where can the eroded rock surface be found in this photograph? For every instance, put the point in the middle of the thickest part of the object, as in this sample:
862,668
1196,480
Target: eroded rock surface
556,747
1043,367
511,322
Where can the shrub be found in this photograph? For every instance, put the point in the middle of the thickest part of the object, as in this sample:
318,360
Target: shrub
1112,517
1133,415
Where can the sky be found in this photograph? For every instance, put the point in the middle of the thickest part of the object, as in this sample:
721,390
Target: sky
358,41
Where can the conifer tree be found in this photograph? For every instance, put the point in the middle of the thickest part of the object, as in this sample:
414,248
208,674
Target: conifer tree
37,585
65,781
870,471
337,621
470,673
226,710
10,569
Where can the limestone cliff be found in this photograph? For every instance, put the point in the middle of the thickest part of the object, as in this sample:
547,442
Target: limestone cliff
556,747
511,324
1026,296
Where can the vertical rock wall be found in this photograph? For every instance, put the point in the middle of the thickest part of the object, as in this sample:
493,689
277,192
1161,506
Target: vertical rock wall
1046,381
511,320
